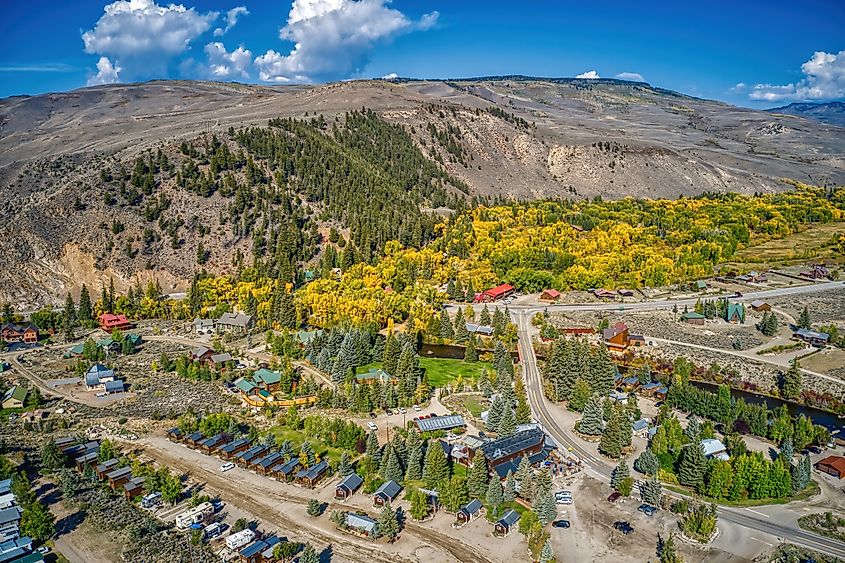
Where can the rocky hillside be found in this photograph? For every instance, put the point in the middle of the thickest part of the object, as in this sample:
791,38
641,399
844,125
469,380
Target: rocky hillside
76,206
832,113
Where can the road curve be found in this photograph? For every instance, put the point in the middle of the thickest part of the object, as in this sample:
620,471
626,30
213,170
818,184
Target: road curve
601,469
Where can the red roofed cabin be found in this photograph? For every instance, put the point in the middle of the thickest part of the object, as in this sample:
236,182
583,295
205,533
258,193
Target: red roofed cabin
494,293
550,295
109,322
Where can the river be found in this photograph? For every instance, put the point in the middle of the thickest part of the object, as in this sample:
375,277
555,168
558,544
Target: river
823,418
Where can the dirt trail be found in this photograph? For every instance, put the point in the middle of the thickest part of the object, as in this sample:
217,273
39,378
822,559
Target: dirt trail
265,502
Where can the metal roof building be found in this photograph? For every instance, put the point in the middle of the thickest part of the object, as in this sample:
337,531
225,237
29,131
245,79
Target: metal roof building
435,423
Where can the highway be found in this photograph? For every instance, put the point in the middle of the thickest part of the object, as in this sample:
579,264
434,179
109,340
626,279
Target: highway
601,469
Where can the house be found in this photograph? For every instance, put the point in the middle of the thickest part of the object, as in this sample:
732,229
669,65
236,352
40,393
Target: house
760,305
5,486
203,326
619,396
503,450
285,471
110,322
304,337
264,464
714,448
653,389
550,296
386,493
816,272
818,339
347,487
468,512
361,525
9,523
374,375
13,332
693,318
629,383
700,285
640,428
255,452
616,337
134,487
310,476
495,293
237,322
86,460
15,397
118,477
735,313
115,386
832,465
202,354
255,552
267,379
483,330
209,445
435,423
97,376
233,448
636,340
219,361
506,523
14,548
604,293
174,434
105,467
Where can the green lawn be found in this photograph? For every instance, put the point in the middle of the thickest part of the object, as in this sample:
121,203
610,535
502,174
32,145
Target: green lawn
473,405
811,490
443,370
296,438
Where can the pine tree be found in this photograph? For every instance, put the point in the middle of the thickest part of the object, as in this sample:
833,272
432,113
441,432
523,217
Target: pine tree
388,524
786,450
602,372
373,448
436,469
525,477
544,506
693,465
666,550
804,320
651,491
478,477
393,471
345,360
391,354
523,410
494,495
461,332
510,488
344,467
470,352
581,393
308,555
547,554
791,385
693,429
613,438
592,421
314,507
85,313
420,508
307,457
413,471
447,331
484,319
495,412
507,424
620,473
647,463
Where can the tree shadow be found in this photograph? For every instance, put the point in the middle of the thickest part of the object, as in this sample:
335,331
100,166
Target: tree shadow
69,523
326,554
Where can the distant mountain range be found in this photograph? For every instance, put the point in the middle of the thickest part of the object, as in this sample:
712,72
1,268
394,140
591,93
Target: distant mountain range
832,113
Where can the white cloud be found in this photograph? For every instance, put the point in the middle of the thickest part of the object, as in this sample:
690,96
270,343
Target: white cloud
632,76
107,73
142,37
231,19
590,74
334,38
739,87
391,76
224,65
824,79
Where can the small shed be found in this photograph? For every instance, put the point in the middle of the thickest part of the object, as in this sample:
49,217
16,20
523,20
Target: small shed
693,318
469,512
311,476
119,476
361,525
760,305
285,471
347,487
506,523
134,487
105,467
386,493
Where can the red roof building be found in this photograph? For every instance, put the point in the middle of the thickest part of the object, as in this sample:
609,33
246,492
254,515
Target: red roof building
494,293
550,295
832,465
110,322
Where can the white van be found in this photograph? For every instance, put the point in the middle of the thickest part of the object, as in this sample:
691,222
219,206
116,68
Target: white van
227,466
372,426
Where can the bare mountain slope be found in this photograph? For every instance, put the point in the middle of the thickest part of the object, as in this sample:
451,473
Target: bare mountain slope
512,136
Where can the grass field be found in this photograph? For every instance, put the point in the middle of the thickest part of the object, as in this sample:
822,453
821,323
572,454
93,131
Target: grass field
812,243
473,405
296,438
443,370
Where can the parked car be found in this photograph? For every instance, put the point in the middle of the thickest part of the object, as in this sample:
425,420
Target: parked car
614,496
815,449
372,415
43,550
624,527
401,410
647,509
388,412
561,524
372,426
227,466
416,408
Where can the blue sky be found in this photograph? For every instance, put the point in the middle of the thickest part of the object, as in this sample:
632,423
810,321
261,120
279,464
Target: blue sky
749,53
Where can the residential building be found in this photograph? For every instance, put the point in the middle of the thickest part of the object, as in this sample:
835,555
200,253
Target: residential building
14,548
134,487
13,332
312,475
285,471
105,467
713,448
640,428
209,445
231,449
507,523
203,326
468,512
550,296
237,322
374,375
255,452
625,292
693,318
118,477
110,322
15,397
760,305
816,272
604,293
361,525
347,487
812,337
255,552
435,423
202,354
386,493
832,465
503,450
263,465
483,330
735,313
616,337
218,361
97,376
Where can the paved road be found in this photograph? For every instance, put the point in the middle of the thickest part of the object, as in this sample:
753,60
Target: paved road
602,470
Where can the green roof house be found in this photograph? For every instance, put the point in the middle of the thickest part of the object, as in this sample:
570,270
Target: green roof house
735,313
245,385
304,337
15,397
267,379
701,285
374,375
693,318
